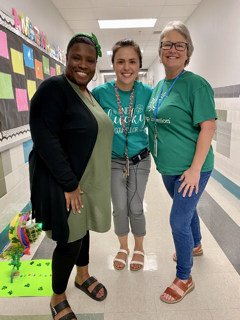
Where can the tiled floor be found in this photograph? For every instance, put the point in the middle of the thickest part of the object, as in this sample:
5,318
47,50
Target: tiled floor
135,295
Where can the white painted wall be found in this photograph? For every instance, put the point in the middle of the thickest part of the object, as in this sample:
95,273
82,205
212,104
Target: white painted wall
156,70
215,29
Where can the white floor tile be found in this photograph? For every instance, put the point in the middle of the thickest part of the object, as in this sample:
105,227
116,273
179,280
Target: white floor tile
229,314
185,315
221,290
131,316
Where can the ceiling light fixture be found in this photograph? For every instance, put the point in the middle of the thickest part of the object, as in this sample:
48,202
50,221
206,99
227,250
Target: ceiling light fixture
109,53
127,23
110,73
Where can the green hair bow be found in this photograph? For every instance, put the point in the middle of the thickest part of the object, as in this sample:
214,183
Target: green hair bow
93,38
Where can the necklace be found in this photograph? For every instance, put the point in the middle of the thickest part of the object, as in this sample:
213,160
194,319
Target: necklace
158,104
125,129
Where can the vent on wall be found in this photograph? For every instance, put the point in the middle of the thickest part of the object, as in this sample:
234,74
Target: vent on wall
157,32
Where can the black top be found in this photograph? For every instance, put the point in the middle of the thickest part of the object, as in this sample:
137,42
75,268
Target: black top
64,132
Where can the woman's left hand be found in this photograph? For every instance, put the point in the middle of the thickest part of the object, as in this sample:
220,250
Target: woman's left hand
190,179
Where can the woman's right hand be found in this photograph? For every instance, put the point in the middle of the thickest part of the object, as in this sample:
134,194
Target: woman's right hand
74,199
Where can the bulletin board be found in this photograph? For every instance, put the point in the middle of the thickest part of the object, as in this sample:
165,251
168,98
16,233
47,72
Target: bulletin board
23,67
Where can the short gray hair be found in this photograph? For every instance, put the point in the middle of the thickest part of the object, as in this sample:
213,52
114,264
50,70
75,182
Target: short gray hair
183,30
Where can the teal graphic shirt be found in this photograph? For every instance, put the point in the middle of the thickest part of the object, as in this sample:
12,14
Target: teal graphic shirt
190,102
137,136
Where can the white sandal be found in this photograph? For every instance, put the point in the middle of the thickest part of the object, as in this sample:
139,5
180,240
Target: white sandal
121,260
137,262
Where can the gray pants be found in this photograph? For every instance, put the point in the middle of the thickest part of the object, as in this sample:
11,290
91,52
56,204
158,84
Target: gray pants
127,196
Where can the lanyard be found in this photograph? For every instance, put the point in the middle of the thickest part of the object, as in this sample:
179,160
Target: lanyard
158,104
125,130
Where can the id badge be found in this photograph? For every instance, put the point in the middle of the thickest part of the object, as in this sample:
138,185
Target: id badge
155,147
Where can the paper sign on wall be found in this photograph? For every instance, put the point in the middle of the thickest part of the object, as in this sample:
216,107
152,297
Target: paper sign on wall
6,90
58,69
31,87
3,45
38,69
21,98
52,71
45,65
28,56
17,61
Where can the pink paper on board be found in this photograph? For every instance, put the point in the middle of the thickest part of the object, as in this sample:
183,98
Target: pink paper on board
3,45
52,71
21,97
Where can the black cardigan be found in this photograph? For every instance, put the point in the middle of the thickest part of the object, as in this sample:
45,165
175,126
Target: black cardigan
64,132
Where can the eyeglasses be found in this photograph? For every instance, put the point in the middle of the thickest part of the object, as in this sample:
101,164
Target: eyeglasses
180,46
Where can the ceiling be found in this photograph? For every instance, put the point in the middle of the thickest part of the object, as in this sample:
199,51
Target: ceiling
82,17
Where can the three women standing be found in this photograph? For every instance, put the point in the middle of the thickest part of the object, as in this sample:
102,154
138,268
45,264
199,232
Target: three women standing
181,120
125,101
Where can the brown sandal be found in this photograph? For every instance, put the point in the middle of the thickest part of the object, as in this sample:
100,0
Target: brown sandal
196,252
185,287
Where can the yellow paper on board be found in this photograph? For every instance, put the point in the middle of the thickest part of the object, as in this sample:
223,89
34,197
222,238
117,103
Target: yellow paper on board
31,88
58,69
17,61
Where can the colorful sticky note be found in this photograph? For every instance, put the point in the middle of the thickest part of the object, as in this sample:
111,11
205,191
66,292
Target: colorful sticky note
31,87
28,56
17,61
38,69
21,98
3,45
52,71
45,65
6,90
58,69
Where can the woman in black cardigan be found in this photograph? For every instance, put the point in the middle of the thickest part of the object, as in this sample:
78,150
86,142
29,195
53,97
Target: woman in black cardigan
72,141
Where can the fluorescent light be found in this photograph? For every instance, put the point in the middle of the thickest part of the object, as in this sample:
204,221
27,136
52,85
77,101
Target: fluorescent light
109,53
126,23
108,73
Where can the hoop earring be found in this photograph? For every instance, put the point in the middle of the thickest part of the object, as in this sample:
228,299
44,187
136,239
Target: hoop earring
96,77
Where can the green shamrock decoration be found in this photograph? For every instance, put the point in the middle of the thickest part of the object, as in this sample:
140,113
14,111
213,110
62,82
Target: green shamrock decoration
27,285
40,289
4,287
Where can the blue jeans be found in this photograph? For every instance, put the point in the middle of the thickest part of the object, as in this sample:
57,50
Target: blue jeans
184,221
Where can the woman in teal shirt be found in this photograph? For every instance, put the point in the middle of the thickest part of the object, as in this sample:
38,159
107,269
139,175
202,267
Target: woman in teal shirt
125,100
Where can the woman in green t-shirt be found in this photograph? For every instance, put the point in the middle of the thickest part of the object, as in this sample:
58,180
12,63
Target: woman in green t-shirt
181,120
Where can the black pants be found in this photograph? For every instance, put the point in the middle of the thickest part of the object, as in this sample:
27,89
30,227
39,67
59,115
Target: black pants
63,260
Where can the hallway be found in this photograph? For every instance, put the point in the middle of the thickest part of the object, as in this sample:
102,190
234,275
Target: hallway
135,295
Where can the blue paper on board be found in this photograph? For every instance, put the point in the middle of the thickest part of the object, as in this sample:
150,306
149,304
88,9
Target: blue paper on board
28,56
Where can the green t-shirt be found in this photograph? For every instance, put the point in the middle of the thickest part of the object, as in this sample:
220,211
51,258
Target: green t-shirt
137,136
190,102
